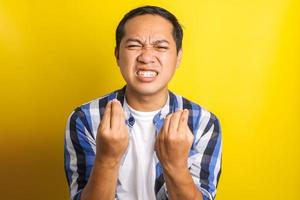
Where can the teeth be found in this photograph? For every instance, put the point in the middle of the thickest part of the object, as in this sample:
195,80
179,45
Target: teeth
147,74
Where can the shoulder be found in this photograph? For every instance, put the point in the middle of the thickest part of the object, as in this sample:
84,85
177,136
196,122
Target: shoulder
93,108
86,117
199,117
97,103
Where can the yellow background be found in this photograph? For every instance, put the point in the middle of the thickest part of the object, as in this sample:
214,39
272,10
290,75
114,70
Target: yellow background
241,60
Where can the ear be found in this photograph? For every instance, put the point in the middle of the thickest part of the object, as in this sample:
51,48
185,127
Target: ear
179,56
117,55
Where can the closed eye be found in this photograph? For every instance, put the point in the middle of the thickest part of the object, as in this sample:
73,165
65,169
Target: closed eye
162,48
134,46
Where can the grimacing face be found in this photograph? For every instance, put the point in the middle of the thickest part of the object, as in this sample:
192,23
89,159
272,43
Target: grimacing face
147,55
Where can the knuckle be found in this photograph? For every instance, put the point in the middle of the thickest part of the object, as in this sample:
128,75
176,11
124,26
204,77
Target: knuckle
181,137
115,137
178,112
103,130
172,138
174,115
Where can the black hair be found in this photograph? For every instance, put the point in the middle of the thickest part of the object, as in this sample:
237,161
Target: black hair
153,10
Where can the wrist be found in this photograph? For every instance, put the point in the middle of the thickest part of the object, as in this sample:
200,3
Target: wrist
176,171
180,184
106,162
175,167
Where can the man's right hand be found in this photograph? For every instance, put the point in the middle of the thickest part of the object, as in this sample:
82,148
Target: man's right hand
111,143
112,137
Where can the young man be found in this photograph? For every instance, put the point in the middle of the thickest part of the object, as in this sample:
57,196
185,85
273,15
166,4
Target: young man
143,141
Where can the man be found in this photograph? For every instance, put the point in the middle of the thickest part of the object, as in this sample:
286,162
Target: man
143,141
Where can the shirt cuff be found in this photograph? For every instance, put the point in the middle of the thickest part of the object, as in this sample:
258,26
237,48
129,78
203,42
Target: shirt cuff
77,195
205,193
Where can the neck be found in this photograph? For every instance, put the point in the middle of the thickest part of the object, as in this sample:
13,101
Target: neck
146,103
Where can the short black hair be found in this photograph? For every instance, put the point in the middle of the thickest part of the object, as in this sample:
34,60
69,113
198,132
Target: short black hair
153,10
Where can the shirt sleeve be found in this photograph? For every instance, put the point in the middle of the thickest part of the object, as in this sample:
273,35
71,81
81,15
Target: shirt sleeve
79,153
205,159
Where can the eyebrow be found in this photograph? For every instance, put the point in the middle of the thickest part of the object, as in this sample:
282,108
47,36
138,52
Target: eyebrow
160,41
133,40
140,42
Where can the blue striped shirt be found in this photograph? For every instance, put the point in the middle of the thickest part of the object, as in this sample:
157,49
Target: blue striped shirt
204,160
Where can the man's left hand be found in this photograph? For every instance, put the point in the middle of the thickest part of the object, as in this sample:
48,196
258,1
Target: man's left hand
174,142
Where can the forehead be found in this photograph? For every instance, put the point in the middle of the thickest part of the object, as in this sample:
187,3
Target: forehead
148,26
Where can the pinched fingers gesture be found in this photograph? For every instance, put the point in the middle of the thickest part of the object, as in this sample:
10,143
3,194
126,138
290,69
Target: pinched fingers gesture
112,136
174,141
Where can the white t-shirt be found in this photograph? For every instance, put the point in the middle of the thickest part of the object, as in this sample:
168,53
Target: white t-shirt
137,172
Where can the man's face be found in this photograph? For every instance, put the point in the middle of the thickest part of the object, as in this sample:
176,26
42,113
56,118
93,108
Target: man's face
147,55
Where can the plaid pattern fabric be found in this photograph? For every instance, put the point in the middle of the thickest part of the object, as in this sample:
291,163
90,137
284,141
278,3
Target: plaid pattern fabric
204,160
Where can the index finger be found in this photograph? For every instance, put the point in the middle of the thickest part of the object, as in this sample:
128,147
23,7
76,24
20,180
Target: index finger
116,114
105,121
166,124
183,120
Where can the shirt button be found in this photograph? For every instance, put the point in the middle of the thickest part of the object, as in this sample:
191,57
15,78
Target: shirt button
131,121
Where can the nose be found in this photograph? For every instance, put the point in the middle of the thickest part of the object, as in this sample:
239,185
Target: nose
146,56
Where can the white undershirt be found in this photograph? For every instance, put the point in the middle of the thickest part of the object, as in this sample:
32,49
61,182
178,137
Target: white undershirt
137,173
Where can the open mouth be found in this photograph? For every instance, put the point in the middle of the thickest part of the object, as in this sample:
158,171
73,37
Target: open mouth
146,73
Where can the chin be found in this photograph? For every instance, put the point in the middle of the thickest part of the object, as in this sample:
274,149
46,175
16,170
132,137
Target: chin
148,90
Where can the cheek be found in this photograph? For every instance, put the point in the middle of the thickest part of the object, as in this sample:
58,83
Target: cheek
169,66
128,56
169,61
127,63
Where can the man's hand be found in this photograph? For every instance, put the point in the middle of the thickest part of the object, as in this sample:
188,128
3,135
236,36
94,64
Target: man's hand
174,142
172,149
111,143
112,136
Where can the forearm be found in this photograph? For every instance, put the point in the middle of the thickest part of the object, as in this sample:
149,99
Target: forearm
180,185
102,182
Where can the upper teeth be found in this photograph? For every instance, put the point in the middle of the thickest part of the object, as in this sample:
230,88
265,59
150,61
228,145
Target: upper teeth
146,73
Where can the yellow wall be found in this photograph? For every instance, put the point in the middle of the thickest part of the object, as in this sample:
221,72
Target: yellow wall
241,61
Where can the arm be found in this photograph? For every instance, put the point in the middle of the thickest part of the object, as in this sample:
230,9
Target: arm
180,185
172,148
111,143
102,182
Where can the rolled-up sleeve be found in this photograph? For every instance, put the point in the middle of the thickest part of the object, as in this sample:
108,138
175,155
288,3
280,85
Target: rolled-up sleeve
78,153
205,161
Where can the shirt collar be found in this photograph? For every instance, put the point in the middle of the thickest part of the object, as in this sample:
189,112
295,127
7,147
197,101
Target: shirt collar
169,107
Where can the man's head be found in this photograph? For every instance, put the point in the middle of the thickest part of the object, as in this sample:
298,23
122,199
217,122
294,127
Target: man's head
152,10
148,50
